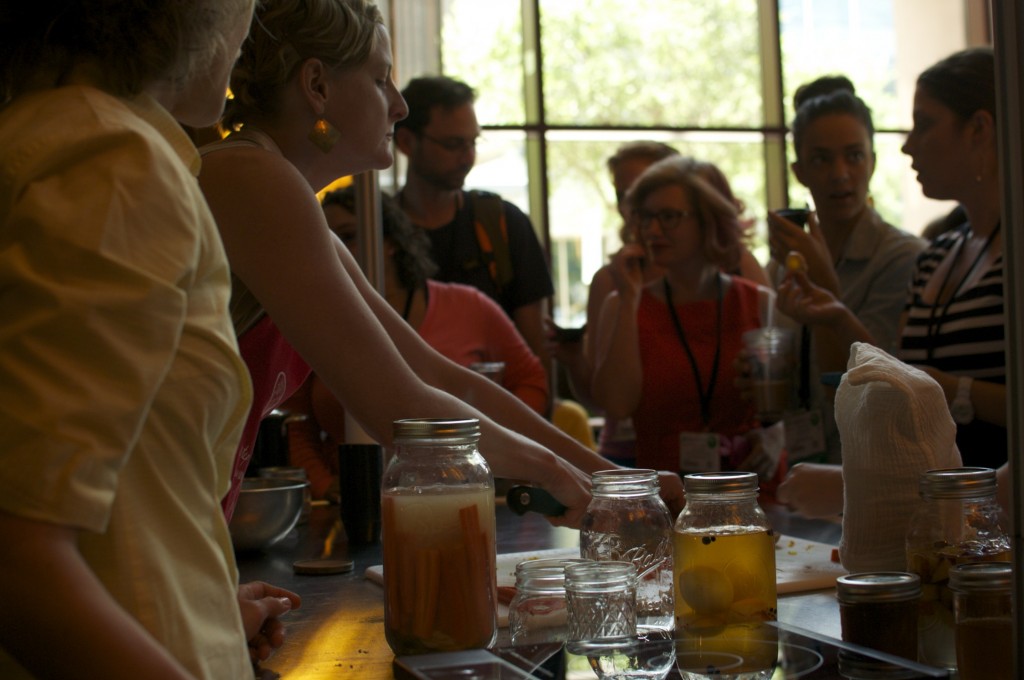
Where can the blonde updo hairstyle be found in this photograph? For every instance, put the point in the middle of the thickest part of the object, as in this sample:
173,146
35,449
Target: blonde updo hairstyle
284,34
718,217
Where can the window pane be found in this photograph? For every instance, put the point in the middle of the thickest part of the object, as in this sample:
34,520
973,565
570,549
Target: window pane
881,45
675,63
482,44
584,221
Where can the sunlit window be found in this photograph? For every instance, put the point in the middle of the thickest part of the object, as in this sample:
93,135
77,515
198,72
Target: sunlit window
714,79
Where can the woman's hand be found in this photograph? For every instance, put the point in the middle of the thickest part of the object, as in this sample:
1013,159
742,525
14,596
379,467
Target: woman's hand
807,303
571,487
670,487
785,237
813,490
261,604
627,268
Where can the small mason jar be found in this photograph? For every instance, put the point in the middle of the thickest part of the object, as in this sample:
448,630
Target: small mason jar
601,601
537,613
958,521
438,539
879,610
982,603
628,521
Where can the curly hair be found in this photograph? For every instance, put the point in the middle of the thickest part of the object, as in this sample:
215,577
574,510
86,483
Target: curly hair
285,33
412,258
167,40
717,216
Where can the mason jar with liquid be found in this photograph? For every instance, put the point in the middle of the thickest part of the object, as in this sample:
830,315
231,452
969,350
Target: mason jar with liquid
983,615
879,610
438,539
628,521
958,521
724,559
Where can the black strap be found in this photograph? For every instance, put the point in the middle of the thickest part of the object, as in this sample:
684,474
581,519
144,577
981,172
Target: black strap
935,324
409,298
804,388
705,397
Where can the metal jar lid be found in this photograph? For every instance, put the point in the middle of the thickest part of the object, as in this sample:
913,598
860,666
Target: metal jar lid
962,482
981,576
720,482
878,586
451,431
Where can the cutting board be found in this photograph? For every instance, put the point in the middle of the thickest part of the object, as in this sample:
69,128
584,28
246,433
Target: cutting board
799,566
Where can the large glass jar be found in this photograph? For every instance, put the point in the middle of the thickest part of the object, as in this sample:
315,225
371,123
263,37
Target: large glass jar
628,521
438,539
725,573
983,608
958,521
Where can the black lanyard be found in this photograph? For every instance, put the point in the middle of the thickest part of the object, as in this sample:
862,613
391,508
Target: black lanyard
935,324
705,397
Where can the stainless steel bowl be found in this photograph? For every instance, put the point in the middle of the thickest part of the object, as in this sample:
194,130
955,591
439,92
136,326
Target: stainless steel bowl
267,510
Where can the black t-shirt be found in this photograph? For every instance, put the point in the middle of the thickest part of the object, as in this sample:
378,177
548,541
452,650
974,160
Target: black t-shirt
459,258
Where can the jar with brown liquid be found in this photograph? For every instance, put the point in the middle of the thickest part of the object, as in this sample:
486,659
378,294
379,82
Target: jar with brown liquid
982,605
879,610
959,521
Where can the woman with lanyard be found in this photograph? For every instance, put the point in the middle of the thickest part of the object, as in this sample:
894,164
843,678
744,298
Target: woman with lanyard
665,349
953,326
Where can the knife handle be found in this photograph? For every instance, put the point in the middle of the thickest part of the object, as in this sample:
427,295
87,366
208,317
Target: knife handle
524,499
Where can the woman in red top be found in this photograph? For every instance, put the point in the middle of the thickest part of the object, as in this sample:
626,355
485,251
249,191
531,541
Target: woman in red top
665,348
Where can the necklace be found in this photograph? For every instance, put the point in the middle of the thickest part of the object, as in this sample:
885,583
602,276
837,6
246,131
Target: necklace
935,319
257,137
704,396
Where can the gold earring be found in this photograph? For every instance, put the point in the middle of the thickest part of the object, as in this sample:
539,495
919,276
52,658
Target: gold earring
324,135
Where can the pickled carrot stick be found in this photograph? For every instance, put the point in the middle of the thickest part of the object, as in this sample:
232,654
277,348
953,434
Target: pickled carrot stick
406,580
454,582
477,550
392,555
428,569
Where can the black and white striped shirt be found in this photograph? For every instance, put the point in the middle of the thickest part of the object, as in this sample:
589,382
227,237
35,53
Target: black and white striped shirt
964,337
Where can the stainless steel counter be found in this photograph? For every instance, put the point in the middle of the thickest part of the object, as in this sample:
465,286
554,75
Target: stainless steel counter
339,630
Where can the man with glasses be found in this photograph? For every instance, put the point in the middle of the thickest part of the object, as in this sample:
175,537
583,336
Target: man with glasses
477,238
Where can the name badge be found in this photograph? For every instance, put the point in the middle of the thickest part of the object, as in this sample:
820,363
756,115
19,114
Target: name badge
805,435
699,452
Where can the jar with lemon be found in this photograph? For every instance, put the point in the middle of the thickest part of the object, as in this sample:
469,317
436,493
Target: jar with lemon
724,556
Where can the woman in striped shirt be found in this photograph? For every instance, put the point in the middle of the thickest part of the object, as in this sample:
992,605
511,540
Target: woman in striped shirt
954,321
953,325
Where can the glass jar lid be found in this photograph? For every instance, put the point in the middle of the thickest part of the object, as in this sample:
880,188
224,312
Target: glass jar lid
547,575
878,586
465,431
981,576
603,576
720,482
624,483
962,482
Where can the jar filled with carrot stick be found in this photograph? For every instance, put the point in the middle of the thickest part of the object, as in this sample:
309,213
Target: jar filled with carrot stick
438,539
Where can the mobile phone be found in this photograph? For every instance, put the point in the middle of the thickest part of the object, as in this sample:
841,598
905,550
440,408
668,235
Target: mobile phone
570,334
797,216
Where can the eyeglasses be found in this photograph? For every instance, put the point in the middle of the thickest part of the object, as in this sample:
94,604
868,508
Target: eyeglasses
453,144
668,219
